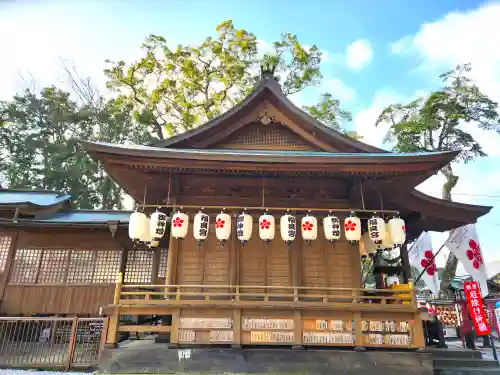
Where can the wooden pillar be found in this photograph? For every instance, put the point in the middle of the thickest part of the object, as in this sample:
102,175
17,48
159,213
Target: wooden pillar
156,265
236,328
297,330
4,277
418,338
405,264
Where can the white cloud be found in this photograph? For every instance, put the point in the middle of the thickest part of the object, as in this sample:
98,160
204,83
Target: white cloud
461,37
365,119
339,90
359,54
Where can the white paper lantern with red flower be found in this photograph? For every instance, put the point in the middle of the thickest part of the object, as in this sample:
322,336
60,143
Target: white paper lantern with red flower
157,225
387,241
368,244
201,223
223,226
244,223
137,225
392,281
266,227
376,229
309,228
352,228
397,230
331,226
180,223
288,228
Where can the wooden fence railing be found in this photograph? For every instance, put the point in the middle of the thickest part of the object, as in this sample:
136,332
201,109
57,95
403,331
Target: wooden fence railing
369,311
52,342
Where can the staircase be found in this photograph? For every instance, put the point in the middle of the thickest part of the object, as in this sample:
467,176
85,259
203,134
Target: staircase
461,362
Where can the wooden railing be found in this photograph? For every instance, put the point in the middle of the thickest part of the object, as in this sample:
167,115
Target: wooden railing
233,295
371,317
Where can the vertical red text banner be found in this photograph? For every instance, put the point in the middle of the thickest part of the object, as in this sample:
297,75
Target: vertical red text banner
475,303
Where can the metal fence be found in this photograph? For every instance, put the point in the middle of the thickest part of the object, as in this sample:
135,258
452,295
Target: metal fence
56,343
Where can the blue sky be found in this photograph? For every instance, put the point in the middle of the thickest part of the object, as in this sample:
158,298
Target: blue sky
376,53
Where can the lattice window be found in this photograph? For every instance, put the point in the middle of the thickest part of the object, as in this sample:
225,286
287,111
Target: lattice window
81,267
53,267
26,262
267,136
139,267
162,269
5,242
107,266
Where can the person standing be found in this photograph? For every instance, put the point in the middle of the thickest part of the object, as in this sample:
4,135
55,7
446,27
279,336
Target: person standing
469,333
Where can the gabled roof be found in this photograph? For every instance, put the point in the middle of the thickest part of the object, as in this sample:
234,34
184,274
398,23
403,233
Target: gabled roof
327,139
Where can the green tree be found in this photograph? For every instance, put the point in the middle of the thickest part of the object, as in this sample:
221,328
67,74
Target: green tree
177,89
40,148
436,123
329,113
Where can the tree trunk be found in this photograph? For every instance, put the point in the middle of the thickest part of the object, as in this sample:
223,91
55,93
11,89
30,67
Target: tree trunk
452,262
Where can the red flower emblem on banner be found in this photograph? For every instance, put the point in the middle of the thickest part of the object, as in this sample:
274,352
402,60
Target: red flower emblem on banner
474,254
177,222
429,262
307,226
220,223
350,225
265,224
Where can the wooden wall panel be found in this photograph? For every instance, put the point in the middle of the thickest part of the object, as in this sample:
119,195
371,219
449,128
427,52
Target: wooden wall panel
252,261
57,238
204,265
60,299
327,264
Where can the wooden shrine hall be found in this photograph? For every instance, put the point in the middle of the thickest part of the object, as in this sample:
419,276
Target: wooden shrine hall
271,212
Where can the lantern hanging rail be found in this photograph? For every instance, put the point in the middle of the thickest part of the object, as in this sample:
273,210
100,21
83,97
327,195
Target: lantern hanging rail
260,208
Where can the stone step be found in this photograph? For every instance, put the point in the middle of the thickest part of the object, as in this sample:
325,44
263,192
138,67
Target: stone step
464,363
454,353
466,371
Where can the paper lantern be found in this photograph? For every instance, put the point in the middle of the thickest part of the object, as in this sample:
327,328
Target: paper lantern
392,281
288,227
180,223
331,226
368,244
386,241
137,225
244,227
376,229
397,230
223,227
352,228
146,236
362,250
157,225
266,227
309,228
201,222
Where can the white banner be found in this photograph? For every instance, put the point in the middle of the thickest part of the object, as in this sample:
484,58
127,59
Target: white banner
463,242
422,256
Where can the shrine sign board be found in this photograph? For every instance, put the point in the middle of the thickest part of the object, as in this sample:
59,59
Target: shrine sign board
476,309
271,337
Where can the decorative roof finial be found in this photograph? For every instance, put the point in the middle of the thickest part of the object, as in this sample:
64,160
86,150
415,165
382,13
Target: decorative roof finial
267,70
